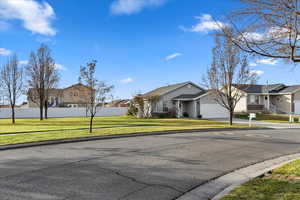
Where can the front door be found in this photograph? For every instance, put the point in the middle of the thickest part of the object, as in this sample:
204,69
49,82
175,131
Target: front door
266,102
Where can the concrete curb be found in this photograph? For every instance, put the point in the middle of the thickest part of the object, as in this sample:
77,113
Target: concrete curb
217,188
105,137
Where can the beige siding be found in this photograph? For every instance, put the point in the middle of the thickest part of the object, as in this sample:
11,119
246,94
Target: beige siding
241,106
76,95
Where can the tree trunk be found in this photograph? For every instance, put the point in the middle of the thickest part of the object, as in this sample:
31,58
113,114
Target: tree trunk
41,111
13,114
46,109
231,117
91,124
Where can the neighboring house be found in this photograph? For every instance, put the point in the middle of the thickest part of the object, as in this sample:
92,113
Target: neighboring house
119,103
187,100
275,98
4,106
77,95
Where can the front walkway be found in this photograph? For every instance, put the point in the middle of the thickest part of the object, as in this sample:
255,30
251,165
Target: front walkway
264,124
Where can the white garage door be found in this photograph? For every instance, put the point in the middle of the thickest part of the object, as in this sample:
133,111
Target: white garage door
213,111
297,107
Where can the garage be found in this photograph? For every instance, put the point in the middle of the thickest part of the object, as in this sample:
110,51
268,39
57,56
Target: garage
213,111
297,107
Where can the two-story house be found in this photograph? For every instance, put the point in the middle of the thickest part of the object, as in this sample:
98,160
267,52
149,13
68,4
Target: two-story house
77,95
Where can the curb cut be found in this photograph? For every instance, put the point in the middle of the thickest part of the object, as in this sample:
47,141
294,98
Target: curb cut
217,188
106,137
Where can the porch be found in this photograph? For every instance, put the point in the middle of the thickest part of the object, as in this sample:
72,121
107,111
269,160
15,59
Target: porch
269,103
187,108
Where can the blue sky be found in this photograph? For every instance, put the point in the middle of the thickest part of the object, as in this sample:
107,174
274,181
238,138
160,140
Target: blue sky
139,44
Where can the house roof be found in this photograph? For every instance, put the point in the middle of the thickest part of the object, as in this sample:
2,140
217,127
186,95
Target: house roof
273,88
166,89
75,85
290,89
251,88
190,96
119,101
58,90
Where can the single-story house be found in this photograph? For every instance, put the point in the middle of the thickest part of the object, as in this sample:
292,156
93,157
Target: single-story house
274,98
118,103
187,100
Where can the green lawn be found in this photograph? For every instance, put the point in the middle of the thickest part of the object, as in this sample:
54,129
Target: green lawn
280,184
62,128
27,125
269,118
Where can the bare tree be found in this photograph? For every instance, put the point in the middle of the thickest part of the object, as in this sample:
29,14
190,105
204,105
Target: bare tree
42,76
229,70
269,28
99,91
51,78
145,105
11,78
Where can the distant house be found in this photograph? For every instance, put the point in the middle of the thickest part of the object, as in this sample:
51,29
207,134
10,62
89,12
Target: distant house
5,106
187,100
119,103
74,96
274,98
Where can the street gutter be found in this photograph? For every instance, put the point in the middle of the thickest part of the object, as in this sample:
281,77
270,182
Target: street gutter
106,137
220,186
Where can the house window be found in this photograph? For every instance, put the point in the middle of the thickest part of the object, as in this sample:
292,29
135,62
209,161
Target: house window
76,94
165,107
254,99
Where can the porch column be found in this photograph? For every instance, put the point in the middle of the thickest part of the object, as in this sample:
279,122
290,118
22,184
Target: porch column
195,106
178,109
269,103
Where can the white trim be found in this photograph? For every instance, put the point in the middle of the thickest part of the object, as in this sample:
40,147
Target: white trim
203,95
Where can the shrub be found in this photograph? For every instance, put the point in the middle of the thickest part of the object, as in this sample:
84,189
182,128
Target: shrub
162,115
185,114
132,110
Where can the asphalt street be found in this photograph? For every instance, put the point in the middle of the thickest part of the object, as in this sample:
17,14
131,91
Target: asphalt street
149,167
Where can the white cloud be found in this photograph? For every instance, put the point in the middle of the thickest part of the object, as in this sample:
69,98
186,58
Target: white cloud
267,61
4,52
60,67
23,62
257,72
119,7
36,16
172,56
253,64
253,36
268,34
127,80
206,25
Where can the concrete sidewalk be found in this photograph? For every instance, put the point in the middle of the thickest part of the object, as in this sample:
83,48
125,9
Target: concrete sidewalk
264,124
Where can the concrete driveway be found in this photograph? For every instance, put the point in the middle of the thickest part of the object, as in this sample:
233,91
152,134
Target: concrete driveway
151,167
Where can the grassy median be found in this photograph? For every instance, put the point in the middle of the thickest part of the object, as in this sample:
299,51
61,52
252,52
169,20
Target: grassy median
280,184
64,128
